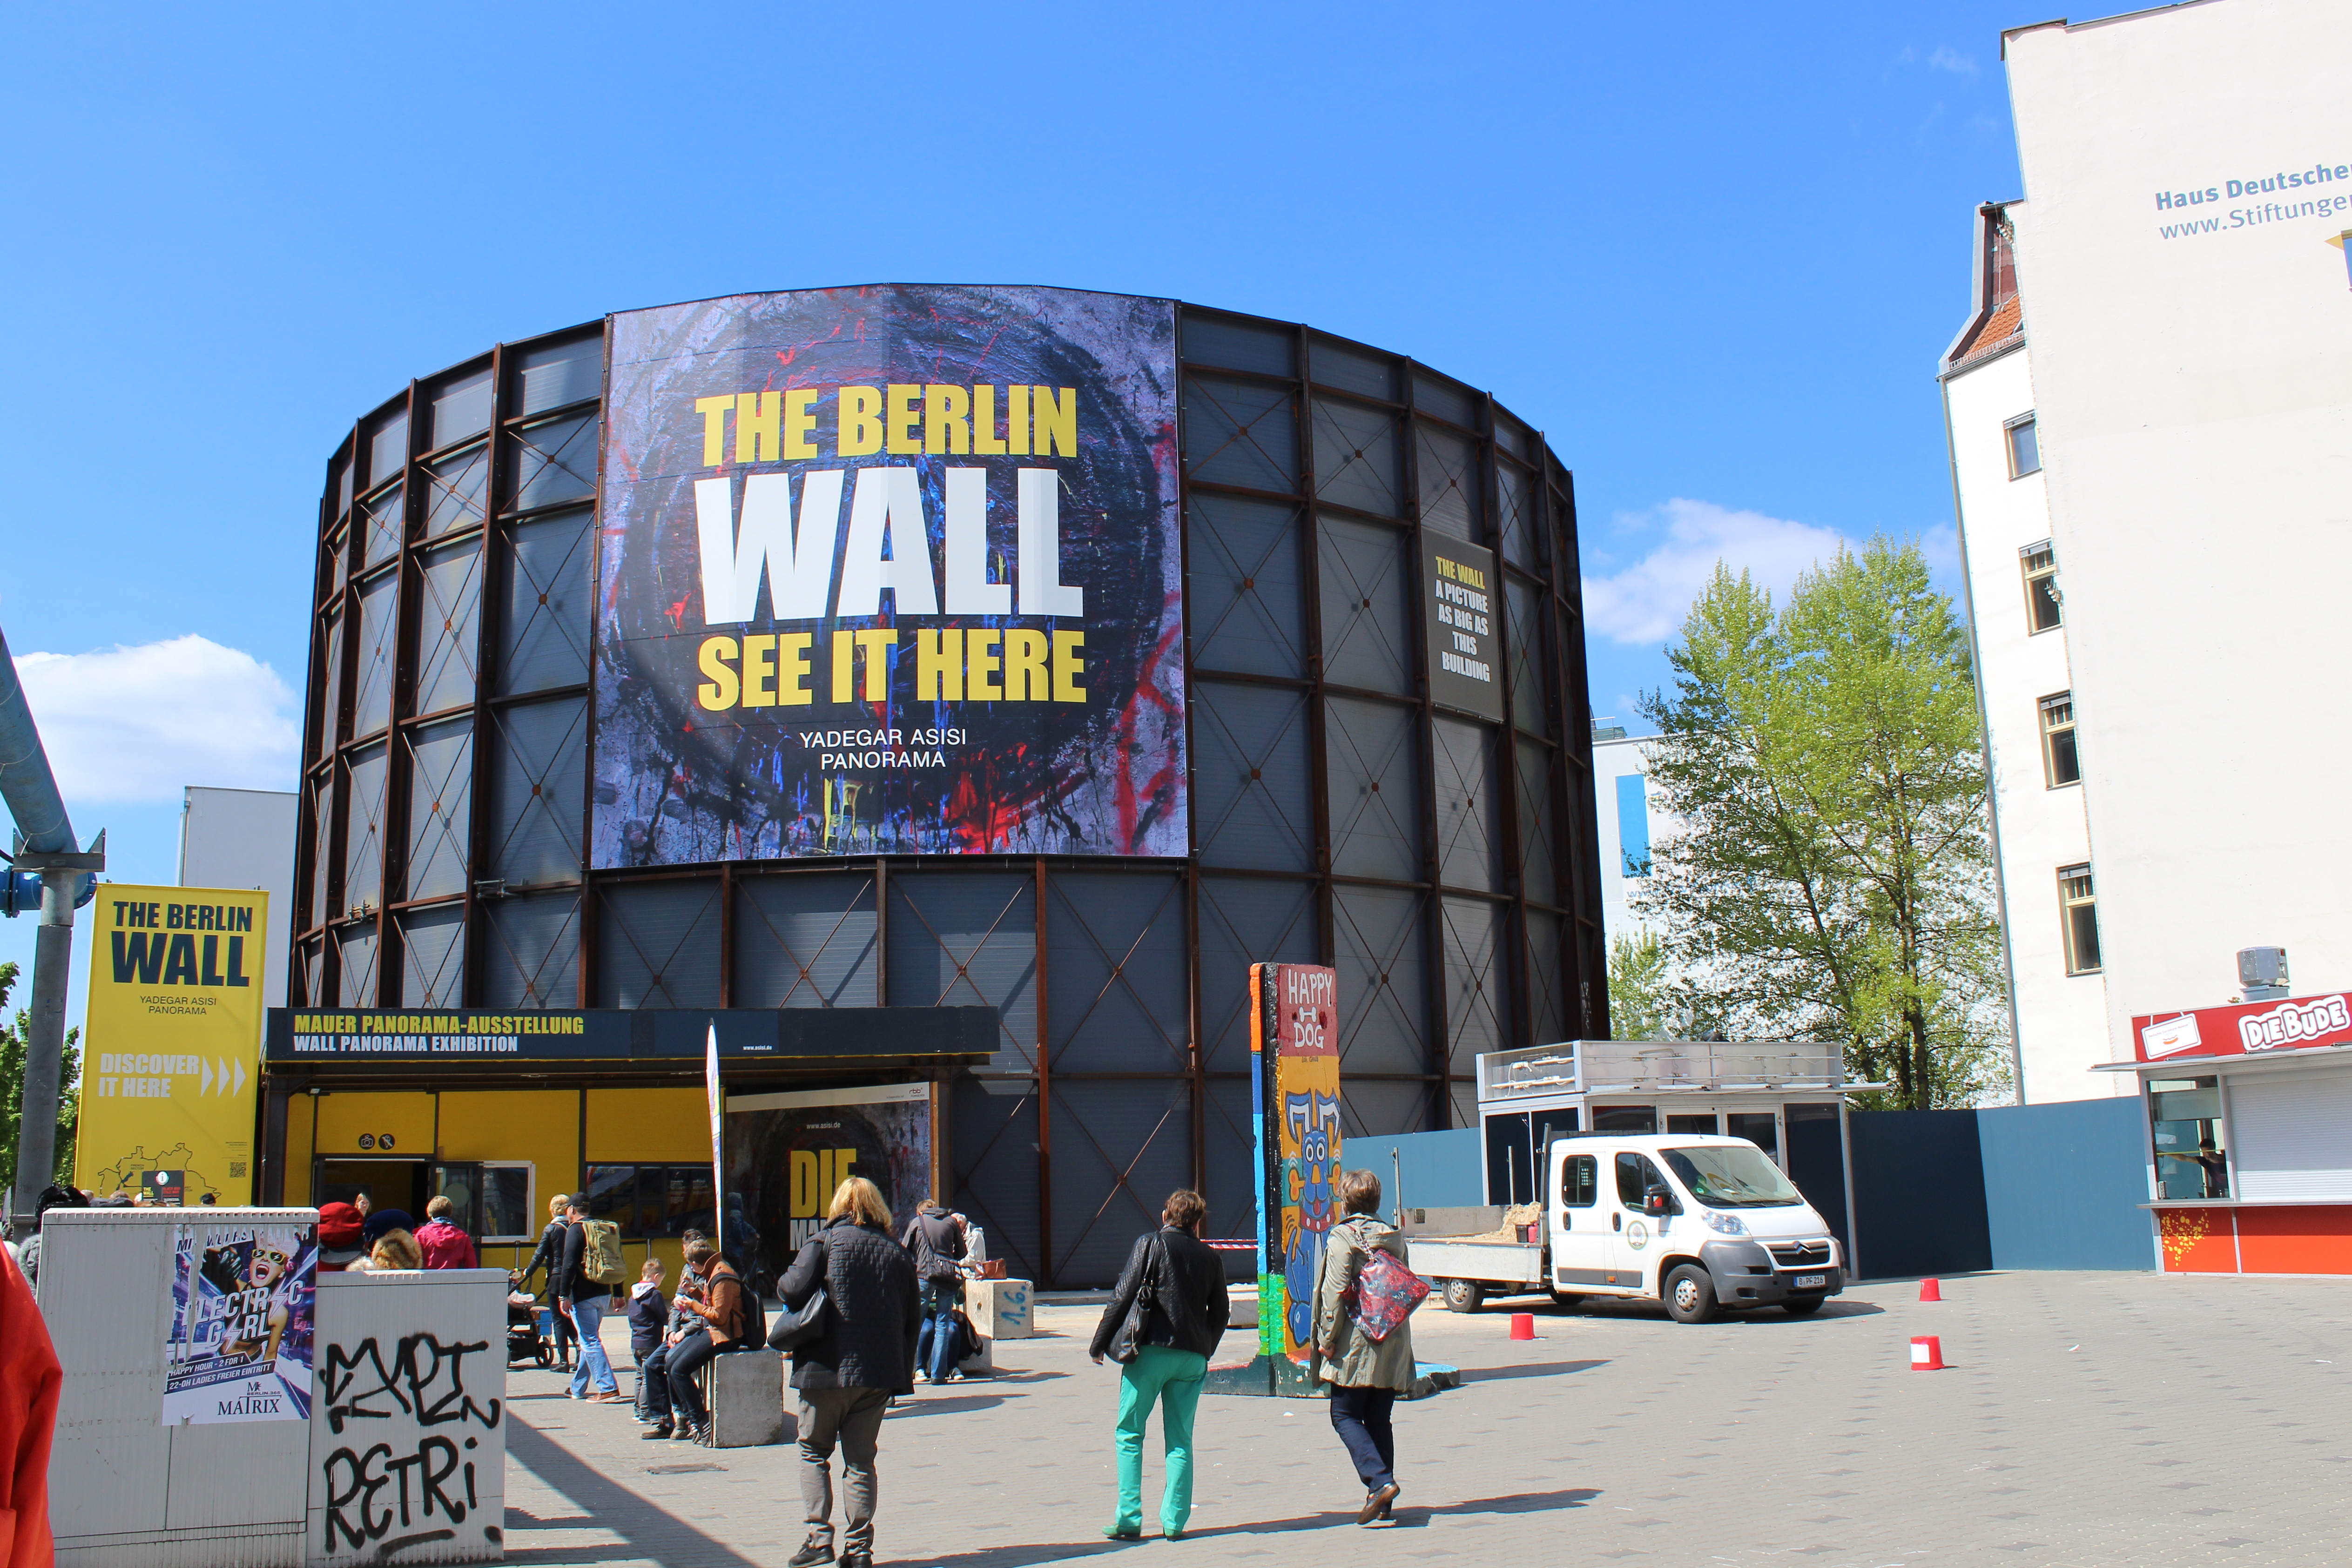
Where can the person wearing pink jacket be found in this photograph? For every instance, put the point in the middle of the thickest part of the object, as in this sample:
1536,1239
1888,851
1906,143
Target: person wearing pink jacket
444,1242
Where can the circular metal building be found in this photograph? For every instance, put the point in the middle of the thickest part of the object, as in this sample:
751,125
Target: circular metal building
920,647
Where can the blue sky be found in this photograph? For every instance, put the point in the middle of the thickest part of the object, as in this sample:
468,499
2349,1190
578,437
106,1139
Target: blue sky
1712,251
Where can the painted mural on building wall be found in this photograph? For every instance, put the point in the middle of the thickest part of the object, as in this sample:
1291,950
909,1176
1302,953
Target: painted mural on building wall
1294,1043
890,570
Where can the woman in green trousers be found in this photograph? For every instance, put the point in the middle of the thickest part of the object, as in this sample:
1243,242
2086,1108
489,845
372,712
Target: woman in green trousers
1162,1322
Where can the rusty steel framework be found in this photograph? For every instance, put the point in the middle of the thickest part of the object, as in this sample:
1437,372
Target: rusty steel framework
1445,867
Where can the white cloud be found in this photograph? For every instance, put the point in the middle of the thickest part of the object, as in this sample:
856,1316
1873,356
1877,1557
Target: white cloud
1646,602
138,724
1946,59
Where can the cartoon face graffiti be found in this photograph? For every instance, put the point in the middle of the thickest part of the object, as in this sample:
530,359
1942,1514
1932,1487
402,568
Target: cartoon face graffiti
1312,1121
1314,1158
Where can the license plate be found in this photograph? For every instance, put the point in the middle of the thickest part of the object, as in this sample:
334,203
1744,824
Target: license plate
1810,1281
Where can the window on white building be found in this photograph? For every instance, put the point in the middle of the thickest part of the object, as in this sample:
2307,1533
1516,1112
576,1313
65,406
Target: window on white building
2042,600
2060,765
2078,915
1633,824
2024,446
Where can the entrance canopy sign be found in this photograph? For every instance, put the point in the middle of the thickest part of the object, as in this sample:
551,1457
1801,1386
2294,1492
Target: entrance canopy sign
352,1036
2249,1028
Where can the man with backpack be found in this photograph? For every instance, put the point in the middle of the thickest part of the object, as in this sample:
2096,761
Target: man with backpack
583,1289
936,1238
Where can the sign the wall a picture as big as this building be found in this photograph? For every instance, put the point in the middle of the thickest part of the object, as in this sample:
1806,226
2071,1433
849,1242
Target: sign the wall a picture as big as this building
890,570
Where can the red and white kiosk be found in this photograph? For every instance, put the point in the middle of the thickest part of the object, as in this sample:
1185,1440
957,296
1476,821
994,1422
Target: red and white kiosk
2250,1135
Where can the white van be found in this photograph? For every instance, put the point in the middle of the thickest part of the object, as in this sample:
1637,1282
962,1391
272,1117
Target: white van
1697,1221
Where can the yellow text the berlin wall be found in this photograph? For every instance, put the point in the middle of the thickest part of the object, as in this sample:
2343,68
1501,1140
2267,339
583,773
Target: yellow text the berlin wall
904,420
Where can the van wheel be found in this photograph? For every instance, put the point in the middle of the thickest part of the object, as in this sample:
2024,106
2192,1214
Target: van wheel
1464,1295
1802,1306
1690,1294
1567,1301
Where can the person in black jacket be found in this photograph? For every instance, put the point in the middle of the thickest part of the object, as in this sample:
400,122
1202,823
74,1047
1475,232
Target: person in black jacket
1173,1292
550,1256
934,1239
846,1374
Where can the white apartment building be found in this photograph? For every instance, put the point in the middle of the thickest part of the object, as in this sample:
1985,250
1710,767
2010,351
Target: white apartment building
2150,414
1627,820
2017,616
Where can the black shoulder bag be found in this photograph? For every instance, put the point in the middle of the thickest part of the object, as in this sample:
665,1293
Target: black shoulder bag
1138,1321
796,1326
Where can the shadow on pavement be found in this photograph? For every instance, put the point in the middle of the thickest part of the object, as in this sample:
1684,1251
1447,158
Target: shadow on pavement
1409,1517
1533,1369
905,1406
645,1530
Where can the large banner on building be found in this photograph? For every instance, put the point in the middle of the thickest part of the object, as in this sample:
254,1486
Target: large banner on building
890,570
242,1316
172,1044
1294,1047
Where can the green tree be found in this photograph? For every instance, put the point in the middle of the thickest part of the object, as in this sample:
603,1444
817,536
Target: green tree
13,1035
1833,877
1639,995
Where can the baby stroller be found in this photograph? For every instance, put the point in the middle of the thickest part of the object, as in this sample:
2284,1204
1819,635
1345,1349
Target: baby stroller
525,1340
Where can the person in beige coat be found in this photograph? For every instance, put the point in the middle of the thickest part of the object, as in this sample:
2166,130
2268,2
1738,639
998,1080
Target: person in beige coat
1366,1375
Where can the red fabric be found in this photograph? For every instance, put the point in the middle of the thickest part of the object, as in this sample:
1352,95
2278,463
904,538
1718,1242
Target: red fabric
29,1380
446,1245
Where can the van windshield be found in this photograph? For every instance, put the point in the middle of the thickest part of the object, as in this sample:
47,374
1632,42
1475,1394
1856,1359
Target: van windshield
1729,1177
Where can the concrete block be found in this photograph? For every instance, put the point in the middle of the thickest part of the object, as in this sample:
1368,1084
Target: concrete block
981,1365
1000,1308
745,1391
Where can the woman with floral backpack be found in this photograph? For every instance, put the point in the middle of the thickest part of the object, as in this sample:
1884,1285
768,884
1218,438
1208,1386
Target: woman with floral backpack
1364,1299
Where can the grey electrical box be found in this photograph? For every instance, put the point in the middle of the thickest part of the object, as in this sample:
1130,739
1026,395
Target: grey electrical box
2261,971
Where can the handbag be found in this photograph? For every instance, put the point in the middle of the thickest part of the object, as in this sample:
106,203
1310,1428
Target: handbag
1385,1294
795,1326
1132,1327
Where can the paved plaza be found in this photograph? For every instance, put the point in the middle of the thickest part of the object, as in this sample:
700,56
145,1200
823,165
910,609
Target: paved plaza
2085,1418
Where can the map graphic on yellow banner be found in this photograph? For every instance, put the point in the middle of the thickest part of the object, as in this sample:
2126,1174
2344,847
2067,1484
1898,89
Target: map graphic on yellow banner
172,1047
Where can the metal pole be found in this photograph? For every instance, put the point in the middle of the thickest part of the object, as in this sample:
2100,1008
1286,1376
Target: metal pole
37,1135
46,845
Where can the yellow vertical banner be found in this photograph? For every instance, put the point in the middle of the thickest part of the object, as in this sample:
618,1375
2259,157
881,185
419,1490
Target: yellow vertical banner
172,1043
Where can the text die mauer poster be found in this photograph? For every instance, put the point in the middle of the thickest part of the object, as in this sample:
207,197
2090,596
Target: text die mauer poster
890,570
171,1055
242,1318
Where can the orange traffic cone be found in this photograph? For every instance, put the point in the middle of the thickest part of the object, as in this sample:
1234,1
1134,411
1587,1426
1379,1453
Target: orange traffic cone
1523,1325
1927,1353
1929,1291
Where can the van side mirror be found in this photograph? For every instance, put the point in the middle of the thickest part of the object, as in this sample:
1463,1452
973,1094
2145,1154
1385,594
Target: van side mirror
1658,1199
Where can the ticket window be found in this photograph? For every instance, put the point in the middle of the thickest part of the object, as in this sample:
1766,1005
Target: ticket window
490,1199
1624,1118
2191,1137
1703,1123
